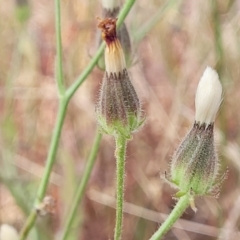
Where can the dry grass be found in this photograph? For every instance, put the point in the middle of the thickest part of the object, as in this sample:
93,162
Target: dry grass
169,62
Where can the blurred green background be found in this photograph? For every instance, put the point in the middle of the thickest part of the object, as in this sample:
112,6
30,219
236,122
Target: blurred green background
172,43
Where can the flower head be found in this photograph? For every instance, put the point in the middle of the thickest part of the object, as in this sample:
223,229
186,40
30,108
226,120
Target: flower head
111,10
8,232
118,109
110,4
195,164
208,97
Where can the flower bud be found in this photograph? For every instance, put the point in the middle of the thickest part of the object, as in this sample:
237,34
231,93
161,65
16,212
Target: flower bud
118,109
208,97
8,232
111,5
195,164
111,9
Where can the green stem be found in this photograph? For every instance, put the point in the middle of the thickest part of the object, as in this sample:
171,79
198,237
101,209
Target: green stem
124,12
176,213
150,23
59,67
48,168
219,53
82,186
218,37
73,88
120,155
53,149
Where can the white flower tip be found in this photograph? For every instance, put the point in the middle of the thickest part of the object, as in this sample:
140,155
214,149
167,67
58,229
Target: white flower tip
110,4
208,97
114,58
8,232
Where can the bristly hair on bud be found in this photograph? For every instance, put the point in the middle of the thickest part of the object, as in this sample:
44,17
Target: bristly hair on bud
118,109
208,97
195,164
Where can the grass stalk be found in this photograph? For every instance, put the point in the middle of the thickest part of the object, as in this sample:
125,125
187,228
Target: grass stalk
59,65
82,186
219,54
48,168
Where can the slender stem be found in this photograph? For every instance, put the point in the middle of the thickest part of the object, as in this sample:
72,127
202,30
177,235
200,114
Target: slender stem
82,186
219,53
218,37
48,168
73,88
124,12
59,67
120,155
153,20
176,213
53,149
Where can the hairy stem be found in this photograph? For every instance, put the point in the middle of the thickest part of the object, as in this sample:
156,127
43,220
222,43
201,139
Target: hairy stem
82,186
120,154
176,213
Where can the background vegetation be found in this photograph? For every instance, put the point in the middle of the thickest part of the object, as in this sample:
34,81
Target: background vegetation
172,45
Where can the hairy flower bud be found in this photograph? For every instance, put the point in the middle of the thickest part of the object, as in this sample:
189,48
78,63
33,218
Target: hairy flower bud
195,164
118,109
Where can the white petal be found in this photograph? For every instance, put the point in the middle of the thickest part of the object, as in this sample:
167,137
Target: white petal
110,4
208,97
8,232
114,57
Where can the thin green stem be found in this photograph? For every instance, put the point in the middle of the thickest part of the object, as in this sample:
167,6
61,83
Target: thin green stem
124,12
176,213
59,66
73,88
53,149
82,186
120,155
150,23
219,53
48,168
218,37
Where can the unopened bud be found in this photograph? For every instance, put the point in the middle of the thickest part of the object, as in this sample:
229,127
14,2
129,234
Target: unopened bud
8,232
110,4
118,109
208,97
111,9
195,164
